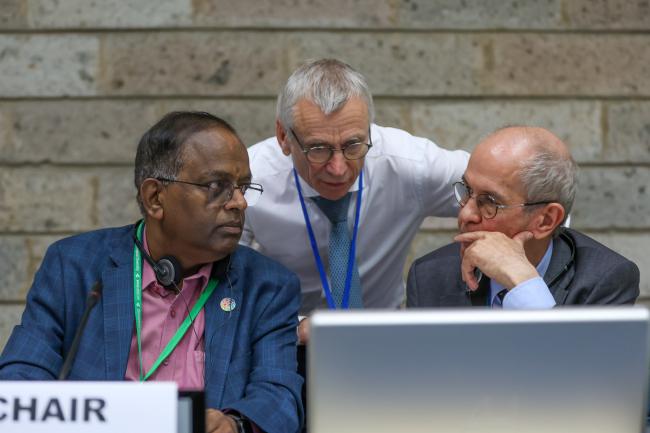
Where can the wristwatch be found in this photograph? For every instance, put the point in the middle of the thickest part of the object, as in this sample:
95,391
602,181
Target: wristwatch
243,425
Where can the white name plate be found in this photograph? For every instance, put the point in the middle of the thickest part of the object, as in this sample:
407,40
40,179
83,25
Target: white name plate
54,407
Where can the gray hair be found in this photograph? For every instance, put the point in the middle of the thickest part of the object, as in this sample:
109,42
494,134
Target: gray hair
328,83
549,176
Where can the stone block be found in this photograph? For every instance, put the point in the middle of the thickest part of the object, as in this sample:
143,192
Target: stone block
612,198
13,14
628,132
565,64
193,63
108,131
109,13
633,246
74,131
289,13
435,223
462,125
116,198
56,199
425,242
53,65
9,317
479,14
20,258
606,14
396,113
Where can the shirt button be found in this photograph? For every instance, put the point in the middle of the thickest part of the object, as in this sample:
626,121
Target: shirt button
172,313
166,362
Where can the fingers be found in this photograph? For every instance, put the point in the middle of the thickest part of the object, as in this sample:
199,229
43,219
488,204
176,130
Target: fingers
212,419
523,237
467,268
469,237
303,331
218,422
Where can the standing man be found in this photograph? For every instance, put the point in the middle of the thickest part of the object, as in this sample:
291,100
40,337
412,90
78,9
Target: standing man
193,184
344,197
517,191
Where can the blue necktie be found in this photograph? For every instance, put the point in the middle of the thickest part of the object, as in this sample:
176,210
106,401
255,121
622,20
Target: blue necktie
339,249
497,302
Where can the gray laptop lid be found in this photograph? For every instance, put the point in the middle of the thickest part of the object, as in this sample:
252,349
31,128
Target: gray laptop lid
564,370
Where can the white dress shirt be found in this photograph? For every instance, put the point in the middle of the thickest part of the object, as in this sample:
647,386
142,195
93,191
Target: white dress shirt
405,179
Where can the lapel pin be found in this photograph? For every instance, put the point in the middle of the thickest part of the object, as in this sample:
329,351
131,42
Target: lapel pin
228,304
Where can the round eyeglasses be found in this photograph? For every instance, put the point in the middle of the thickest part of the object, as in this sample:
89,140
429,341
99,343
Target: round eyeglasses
220,192
322,154
486,204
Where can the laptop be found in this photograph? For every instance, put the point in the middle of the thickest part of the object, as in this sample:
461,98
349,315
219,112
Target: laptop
563,370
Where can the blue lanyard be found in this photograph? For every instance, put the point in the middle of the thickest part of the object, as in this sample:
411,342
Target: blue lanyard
345,302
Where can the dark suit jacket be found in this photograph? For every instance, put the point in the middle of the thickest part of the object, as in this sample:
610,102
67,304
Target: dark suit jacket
250,353
595,275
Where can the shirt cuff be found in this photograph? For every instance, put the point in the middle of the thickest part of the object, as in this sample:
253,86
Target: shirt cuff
531,294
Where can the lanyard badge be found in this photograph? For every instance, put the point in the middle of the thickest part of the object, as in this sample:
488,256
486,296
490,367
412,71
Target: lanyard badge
137,306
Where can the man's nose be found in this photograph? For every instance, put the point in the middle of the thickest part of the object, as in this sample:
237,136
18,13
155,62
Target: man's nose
337,166
469,213
237,200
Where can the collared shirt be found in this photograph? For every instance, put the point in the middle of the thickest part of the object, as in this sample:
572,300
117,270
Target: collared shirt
163,311
530,294
406,179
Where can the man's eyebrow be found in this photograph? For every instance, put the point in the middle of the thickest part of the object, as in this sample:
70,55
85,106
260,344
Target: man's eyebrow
218,174
498,197
355,139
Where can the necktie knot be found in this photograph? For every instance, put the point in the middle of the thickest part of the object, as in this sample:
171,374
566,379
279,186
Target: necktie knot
335,210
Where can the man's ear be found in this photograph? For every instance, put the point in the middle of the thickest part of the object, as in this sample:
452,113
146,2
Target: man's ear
152,195
547,220
283,139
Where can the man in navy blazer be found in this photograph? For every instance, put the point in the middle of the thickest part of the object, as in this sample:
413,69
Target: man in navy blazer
512,251
193,182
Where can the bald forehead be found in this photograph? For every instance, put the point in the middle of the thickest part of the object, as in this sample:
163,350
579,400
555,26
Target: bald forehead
519,143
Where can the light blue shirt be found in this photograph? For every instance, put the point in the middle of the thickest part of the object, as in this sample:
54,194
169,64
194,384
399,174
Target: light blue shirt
531,294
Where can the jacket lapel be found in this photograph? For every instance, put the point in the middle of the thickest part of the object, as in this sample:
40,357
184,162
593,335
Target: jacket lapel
561,265
220,330
118,306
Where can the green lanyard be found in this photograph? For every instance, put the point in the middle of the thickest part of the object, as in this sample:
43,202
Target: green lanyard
137,305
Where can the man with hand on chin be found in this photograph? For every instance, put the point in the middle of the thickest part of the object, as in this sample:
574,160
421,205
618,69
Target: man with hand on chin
512,251
193,184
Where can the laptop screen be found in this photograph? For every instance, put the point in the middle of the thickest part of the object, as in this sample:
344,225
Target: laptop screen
573,370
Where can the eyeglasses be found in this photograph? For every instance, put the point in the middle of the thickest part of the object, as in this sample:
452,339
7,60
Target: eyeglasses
487,205
322,154
221,191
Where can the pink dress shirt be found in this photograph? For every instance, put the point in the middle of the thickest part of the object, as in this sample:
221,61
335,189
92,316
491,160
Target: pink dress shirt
163,311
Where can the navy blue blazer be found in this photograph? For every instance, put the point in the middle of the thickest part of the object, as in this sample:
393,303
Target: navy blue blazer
250,352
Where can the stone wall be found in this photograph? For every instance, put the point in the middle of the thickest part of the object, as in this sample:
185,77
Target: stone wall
80,81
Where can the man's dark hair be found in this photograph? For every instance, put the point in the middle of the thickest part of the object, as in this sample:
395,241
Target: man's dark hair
160,151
